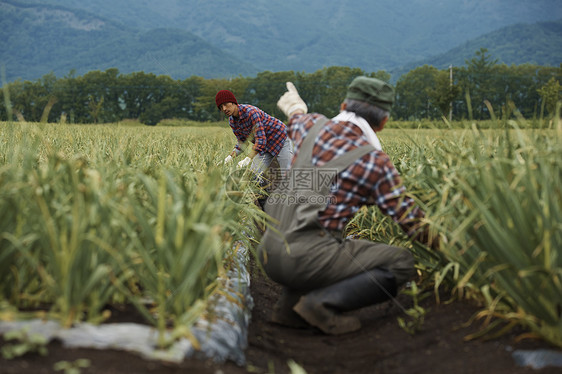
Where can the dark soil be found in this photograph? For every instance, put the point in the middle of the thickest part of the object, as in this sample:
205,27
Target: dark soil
381,346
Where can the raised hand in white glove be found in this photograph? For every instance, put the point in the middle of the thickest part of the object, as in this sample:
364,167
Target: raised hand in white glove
244,162
291,102
228,159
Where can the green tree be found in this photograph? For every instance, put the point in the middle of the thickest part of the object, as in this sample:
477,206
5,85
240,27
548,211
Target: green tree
189,89
165,108
550,94
95,106
480,71
414,94
424,92
8,93
29,99
165,102
444,92
325,89
381,74
138,93
265,89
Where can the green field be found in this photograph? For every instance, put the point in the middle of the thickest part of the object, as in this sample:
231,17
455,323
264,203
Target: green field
95,215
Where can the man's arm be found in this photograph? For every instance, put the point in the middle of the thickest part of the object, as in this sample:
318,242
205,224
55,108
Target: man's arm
391,197
258,132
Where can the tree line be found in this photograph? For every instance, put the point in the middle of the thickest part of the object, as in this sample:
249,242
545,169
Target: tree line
480,90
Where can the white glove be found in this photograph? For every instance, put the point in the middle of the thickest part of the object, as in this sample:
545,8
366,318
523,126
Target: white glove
244,162
290,102
227,159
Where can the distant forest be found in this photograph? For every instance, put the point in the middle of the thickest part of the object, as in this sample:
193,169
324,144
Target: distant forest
480,90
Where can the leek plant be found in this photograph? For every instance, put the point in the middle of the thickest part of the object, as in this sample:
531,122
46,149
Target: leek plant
514,229
180,231
69,241
97,215
494,198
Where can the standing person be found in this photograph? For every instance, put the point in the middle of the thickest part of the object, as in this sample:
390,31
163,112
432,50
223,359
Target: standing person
252,124
324,274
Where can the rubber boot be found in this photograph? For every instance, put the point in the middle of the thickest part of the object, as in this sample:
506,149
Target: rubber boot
323,307
283,313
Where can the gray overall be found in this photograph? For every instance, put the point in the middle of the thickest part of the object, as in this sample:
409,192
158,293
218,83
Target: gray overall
298,252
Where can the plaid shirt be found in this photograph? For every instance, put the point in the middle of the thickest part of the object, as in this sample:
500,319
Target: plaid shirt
372,179
266,132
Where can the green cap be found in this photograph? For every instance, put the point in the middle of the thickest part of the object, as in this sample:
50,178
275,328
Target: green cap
372,91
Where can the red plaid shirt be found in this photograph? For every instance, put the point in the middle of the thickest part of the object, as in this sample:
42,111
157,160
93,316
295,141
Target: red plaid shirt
372,179
269,132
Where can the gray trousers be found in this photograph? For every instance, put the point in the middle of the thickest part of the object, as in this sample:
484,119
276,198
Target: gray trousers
319,260
261,163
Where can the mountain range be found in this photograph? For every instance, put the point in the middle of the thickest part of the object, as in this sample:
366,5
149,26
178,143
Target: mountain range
222,39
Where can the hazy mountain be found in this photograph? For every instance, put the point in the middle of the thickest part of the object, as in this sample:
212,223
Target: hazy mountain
223,38
39,39
538,44
308,35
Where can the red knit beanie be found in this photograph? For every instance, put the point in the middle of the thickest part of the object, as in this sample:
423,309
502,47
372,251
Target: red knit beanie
225,96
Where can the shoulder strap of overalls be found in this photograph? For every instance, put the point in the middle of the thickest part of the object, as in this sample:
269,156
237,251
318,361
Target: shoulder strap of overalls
342,162
304,158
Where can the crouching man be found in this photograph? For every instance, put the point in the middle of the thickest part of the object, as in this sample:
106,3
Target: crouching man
338,166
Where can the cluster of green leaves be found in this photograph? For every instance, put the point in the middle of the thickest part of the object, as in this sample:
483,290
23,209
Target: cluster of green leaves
429,93
493,197
23,342
74,367
101,215
424,93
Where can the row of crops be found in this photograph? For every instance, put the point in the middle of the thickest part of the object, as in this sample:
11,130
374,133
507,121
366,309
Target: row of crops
495,200
103,215
99,216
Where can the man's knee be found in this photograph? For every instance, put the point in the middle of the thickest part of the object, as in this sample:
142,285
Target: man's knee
403,268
